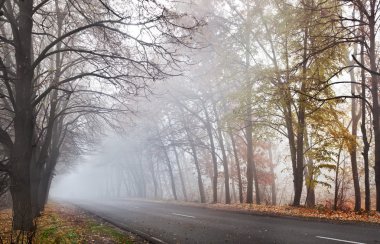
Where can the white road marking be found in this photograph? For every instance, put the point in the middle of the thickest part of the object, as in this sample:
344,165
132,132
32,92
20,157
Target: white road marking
154,238
333,239
183,215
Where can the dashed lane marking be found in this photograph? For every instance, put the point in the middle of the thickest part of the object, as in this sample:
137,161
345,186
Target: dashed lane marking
184,215
340,240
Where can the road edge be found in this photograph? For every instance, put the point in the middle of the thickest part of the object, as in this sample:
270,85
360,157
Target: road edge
145,236
258,213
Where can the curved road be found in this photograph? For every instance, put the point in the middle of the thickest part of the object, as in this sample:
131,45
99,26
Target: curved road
174,223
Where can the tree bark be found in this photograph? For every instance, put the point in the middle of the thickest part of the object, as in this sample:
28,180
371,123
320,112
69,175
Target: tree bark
375,102
363,128
237,162
180,174
353,151
21,155
151,164
172,182
224,157
273,184
301,126
310,194
337,185
309,176
199,174
196,162
248,134
213,155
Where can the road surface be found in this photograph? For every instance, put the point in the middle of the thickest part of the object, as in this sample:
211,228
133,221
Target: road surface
174,223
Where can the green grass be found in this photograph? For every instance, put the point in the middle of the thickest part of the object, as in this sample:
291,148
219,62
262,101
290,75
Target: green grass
48,232
109,231
67,225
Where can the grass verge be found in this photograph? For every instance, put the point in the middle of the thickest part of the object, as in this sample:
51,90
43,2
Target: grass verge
62,223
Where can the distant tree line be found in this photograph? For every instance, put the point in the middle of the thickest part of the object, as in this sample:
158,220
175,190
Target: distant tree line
300,72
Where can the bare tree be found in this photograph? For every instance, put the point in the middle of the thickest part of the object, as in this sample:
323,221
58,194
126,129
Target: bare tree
130,47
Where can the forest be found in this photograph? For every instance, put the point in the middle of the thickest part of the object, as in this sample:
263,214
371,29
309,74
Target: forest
270,102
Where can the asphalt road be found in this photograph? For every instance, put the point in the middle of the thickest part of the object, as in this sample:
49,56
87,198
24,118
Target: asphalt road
173,223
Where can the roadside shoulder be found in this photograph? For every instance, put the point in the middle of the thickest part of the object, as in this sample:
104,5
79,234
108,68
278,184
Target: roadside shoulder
65,223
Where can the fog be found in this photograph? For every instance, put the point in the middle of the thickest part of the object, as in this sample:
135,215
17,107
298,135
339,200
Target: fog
187,137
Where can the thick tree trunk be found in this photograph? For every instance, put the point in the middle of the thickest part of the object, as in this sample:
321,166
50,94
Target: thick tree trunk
310,187
310,197
36,182
21,202
43,193
21,155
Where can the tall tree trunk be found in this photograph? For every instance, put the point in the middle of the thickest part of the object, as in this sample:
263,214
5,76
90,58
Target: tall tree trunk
300,151
199,174
251,167
224,156
363,128
248,134
233,189
172,182
155,184
248,112
273,184
375,102
353,152
180,174
288,113
286,99
310,187
237,162
213,155
196,162
142,182
301,126
21,155
336,190
309,176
